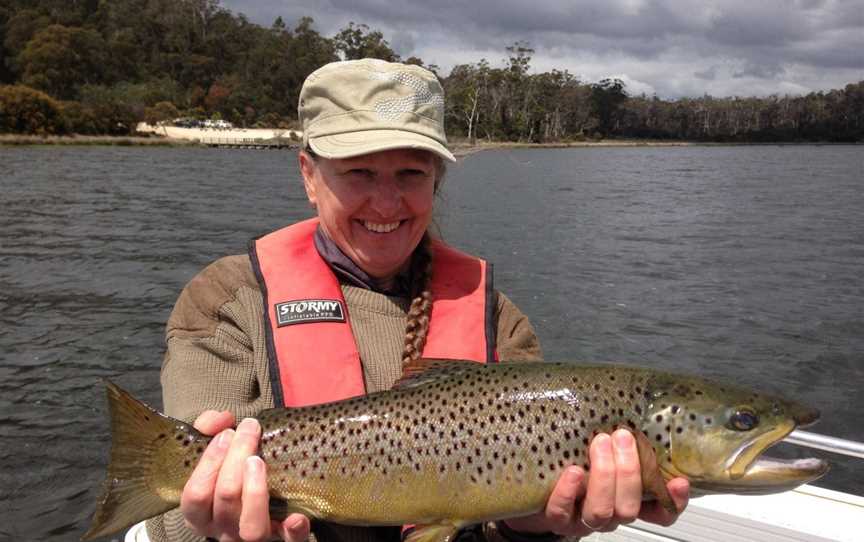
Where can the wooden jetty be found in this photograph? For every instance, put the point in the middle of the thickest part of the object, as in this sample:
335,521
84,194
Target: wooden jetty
248,143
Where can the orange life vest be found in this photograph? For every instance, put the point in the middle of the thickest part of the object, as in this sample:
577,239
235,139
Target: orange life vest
313,357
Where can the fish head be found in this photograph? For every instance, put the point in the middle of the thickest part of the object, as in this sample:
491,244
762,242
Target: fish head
715,436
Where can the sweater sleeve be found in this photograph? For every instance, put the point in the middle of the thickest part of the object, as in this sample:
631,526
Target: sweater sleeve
215,358
516,339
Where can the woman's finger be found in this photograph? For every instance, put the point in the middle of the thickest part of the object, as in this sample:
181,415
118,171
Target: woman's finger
227,503
255,514
628,477
196,501
653,512
559,514
561,507
294,528
211,422
598,508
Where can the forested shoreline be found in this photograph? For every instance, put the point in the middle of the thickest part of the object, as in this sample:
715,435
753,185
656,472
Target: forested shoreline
97,67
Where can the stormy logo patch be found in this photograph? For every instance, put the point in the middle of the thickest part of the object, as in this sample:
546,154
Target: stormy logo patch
307,311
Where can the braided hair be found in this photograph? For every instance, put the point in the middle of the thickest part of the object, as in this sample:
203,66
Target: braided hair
421,301
420,312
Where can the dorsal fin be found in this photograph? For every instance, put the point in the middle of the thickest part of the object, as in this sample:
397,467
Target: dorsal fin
425,370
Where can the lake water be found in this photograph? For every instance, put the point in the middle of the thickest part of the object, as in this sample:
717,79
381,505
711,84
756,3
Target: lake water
743,263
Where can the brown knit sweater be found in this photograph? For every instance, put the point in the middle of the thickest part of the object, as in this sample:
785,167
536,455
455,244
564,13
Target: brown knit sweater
217,359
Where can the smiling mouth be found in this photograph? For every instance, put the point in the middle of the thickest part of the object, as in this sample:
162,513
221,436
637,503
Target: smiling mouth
377,227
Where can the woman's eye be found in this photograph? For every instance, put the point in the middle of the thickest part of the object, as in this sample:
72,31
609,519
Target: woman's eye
743,420
414,175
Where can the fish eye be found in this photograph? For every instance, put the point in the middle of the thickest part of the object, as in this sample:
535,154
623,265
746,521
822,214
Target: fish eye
743,420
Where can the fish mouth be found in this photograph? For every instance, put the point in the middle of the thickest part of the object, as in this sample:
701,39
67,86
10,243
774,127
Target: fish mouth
772,475
753,472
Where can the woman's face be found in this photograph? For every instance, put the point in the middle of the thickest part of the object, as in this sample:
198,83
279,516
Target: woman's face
375,207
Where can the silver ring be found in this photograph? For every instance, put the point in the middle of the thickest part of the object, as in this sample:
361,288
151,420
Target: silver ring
588,525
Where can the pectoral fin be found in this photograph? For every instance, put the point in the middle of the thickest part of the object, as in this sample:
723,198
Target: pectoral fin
653,482
432,533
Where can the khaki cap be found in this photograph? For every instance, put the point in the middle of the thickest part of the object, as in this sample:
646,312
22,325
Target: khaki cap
363,106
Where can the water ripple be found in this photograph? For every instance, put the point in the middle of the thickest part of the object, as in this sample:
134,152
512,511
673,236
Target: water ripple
733,262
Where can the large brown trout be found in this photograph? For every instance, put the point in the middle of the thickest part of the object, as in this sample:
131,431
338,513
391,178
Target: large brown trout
460,443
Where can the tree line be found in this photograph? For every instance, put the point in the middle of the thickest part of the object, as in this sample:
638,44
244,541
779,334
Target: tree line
96,67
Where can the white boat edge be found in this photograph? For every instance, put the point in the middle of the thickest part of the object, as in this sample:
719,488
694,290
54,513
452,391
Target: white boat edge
807,513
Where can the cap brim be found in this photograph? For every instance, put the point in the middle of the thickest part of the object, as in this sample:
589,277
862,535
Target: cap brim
351,144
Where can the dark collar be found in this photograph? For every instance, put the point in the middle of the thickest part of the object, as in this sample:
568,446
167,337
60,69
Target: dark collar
349,272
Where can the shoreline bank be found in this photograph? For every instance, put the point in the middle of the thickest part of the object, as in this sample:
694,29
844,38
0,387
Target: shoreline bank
126,141
459,148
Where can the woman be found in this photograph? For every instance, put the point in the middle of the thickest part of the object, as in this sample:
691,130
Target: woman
273,328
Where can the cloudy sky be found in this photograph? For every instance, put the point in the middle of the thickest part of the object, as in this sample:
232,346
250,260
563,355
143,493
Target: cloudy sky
672,48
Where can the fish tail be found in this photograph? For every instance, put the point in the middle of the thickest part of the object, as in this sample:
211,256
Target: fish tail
152,456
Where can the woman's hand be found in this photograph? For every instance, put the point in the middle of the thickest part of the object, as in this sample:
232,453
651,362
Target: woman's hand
226,497
613,495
